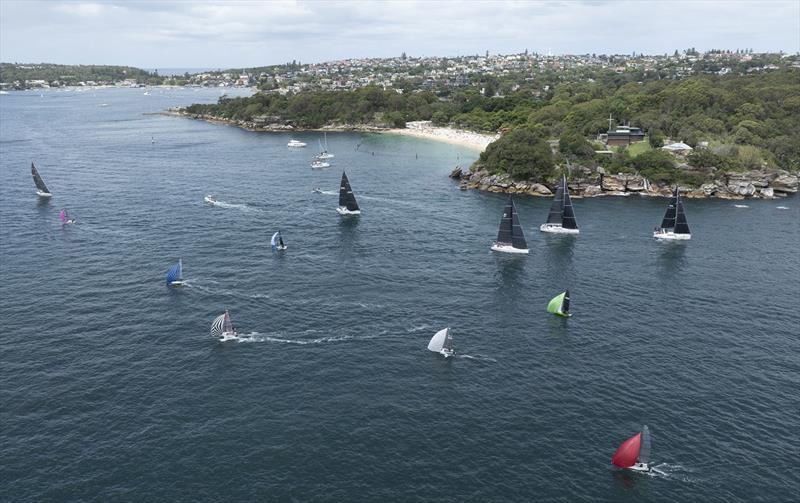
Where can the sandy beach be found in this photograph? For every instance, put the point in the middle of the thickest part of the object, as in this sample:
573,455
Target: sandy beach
424,129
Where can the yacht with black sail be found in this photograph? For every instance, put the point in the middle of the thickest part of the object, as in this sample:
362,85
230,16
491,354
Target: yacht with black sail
510,238
674,225
561,219
347,200
41,188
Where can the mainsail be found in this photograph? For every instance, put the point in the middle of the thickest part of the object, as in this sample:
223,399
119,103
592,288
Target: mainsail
681,225
668,222
644,451
175,272
510,230
346,197
567,214
561,211
37,179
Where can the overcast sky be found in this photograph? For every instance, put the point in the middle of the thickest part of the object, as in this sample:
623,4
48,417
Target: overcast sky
192,34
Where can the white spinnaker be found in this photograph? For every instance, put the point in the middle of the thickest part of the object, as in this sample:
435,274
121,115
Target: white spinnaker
274,240
437,341
216,325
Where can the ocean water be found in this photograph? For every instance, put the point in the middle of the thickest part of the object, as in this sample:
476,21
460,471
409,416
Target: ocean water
113,390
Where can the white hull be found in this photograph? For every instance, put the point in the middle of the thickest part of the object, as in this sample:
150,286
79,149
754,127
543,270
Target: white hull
295,144
43,194
281,248
227,336
325,156
671,236
447,353
499,247
640,467
344,211
178,283
318,165
557,229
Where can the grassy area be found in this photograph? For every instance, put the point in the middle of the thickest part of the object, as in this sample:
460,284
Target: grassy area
639,148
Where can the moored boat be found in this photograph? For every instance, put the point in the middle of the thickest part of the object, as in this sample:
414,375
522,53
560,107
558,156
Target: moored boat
295,144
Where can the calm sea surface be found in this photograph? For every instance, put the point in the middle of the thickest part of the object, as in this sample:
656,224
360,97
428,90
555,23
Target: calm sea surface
113,390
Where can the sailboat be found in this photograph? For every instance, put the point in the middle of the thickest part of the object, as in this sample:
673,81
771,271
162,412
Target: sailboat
175,274
559,305
347,201
222,327
442,343
674,225
634,453
323,150
41,188
561,219
510,238
277,242
63,215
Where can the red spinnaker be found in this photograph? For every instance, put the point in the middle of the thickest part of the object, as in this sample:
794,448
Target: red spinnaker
628,452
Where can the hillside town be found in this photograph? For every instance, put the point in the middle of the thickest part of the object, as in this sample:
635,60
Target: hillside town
493,74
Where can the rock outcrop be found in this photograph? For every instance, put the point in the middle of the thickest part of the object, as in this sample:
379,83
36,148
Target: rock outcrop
588,183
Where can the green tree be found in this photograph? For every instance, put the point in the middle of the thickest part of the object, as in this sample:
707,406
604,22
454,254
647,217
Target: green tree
523,153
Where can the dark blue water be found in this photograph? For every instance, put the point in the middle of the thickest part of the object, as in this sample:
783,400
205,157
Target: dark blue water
112,389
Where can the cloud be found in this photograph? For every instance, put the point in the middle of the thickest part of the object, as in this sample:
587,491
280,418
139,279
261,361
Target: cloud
250,33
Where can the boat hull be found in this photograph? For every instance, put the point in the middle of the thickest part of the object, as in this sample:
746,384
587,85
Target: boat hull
557,229
344,211
563,315
178,283
209,200
227,336
506,248
640,467
41,193
447,353
671,236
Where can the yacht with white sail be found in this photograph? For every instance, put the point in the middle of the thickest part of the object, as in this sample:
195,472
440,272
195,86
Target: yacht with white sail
674,225
277,242
442,343
561,219
323,149
510,238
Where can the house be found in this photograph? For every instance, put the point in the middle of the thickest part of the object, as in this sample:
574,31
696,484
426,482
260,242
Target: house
623,136
678,148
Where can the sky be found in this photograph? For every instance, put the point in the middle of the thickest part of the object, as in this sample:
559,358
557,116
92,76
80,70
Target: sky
234,33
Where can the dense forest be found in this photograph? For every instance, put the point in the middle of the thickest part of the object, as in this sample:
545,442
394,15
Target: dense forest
70,75
749,121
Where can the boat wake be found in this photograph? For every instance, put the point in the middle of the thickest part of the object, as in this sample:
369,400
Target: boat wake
782,207
235,206
480,358
259,337
670,471
232,293
328,193
740,206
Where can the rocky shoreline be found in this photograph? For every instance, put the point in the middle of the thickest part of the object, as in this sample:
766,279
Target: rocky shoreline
275,126
596,183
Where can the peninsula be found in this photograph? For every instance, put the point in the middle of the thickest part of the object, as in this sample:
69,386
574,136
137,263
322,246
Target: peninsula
723,124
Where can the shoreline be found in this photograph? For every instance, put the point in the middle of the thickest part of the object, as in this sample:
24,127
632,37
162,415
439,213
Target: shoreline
461,137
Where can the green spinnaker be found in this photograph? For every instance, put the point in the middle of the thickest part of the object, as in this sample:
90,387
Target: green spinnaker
554,306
